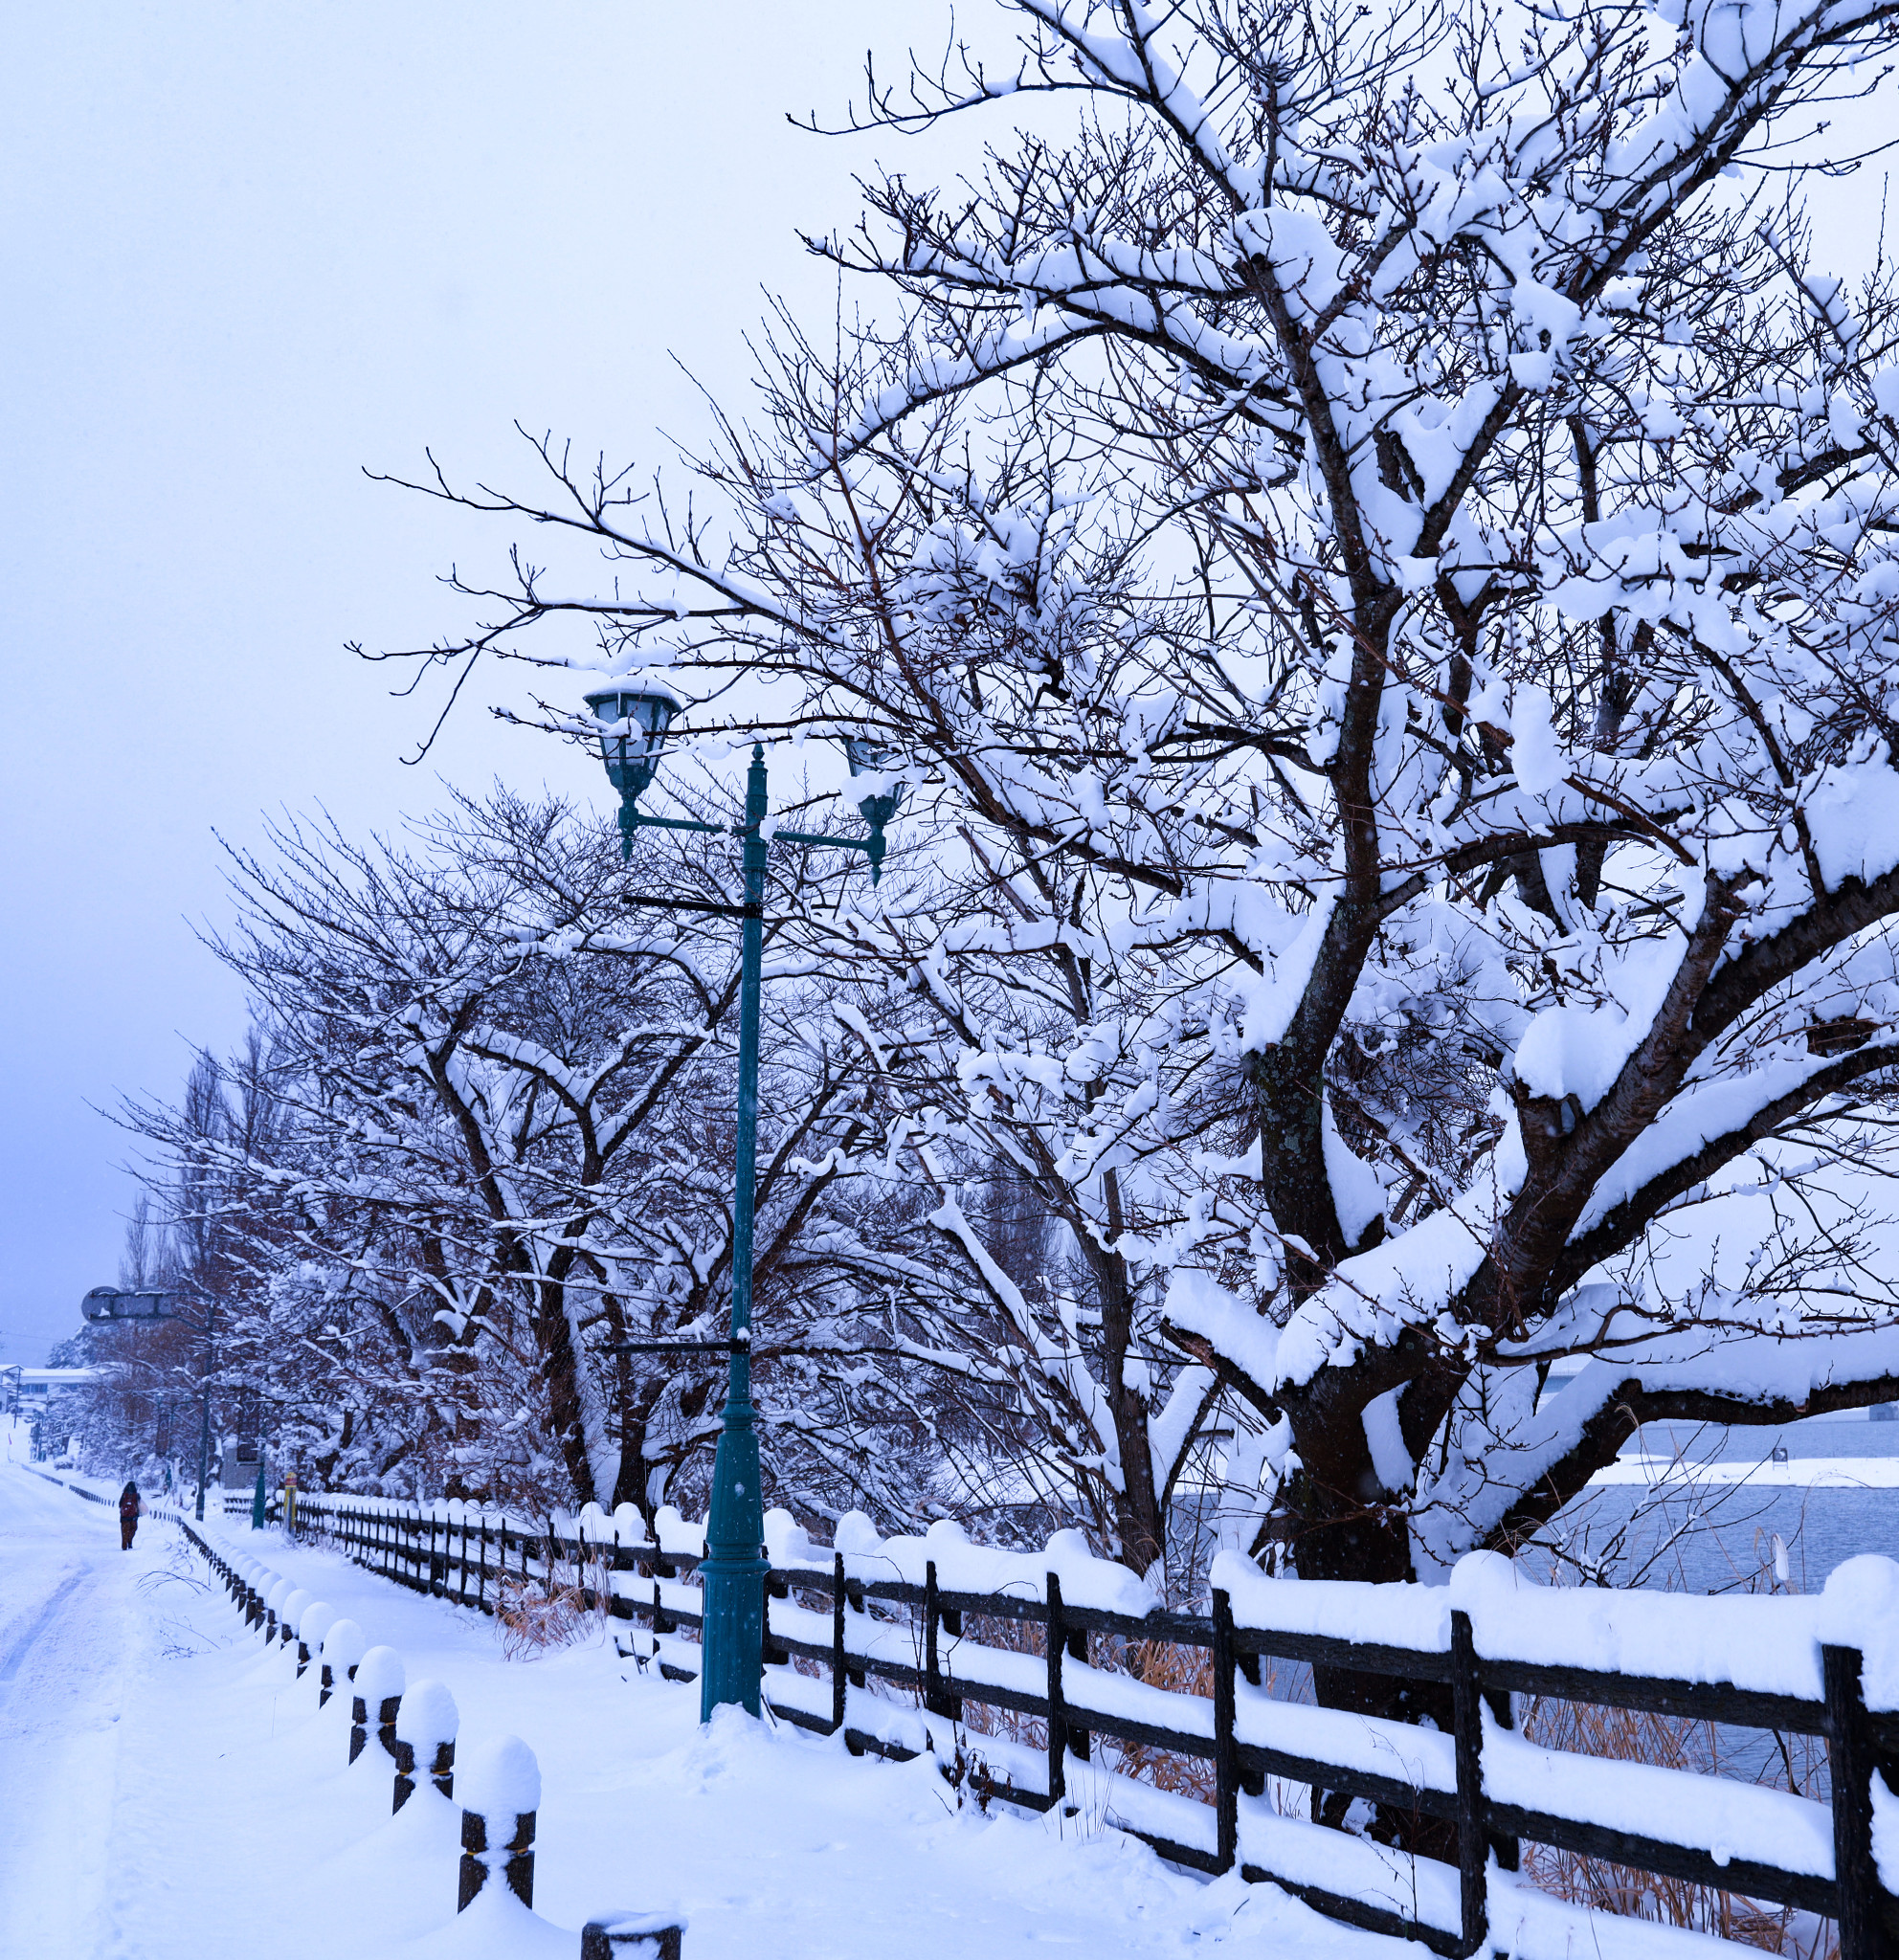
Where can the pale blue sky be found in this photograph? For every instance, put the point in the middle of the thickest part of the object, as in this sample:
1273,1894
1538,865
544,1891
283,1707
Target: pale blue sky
248,250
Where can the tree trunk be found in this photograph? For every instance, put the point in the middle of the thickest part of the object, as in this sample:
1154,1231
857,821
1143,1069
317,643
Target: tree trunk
1341,1531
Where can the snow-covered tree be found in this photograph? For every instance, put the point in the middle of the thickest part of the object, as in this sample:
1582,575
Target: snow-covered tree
498,1159
1374,548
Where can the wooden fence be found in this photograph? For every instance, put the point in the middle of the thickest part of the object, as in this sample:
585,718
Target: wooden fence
911,1637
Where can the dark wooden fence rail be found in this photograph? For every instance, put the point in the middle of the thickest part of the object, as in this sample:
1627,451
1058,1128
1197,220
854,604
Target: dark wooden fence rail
895,1630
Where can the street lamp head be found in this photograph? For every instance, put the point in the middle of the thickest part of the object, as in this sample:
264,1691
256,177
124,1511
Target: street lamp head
635,715
867,757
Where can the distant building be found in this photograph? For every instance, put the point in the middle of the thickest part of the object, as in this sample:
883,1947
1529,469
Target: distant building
24,1391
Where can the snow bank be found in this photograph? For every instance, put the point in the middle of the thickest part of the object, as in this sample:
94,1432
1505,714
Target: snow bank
1763,1645
498,1926
1396,1615
962,1567
1766,1644
1860,1608
633,1925
1726,1819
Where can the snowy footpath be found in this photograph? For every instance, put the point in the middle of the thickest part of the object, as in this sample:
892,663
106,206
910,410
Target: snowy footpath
171,1790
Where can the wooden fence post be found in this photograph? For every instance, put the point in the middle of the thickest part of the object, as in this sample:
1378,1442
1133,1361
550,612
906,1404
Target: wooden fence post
1058,1713
1226,1747
950,1621
858,1677
1473,1845
1850,1761
1507,1850
854,1595
936,1697
426,1723
770,1653
1080,1740
501,1796
836,1642
378,1678
517,1863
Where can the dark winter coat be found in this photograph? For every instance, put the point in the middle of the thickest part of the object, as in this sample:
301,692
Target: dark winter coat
130,1504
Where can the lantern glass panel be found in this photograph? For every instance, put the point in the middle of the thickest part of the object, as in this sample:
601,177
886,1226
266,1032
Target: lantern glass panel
865,757
631,750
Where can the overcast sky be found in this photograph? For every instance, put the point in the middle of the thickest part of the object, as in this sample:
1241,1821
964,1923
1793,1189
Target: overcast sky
249,250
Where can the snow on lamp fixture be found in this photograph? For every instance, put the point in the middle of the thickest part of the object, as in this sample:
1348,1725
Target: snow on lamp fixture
635,719
866,758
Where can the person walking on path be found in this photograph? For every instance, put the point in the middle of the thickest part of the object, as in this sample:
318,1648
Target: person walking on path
129,1507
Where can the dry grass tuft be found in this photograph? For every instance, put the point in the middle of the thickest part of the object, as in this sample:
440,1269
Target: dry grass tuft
1182,1671
536,1615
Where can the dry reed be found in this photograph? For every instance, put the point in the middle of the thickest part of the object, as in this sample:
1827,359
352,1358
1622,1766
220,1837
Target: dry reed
1631,1736
565,1603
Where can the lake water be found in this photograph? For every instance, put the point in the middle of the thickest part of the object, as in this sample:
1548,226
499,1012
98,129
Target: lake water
1699,1536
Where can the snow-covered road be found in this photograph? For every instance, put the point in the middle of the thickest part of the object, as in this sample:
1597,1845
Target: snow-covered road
172,1793
63,1584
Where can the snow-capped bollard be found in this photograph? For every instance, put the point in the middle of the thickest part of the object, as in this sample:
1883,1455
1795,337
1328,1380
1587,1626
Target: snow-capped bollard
312,1624
378,1698
633,1936
290,1617
343,1649
500,1792
425,1729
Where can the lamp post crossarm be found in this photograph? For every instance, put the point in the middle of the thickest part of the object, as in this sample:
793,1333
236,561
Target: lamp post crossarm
700,905
833,843
634,819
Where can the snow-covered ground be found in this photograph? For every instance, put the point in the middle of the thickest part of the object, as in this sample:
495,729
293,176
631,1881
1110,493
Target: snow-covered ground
172,1793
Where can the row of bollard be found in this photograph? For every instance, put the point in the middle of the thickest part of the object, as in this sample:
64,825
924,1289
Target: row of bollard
415,1727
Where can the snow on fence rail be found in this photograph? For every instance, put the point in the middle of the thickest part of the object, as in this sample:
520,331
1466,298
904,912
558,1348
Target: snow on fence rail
895,1610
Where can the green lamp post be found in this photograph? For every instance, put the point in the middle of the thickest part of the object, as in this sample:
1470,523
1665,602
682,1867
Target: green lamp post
635,717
